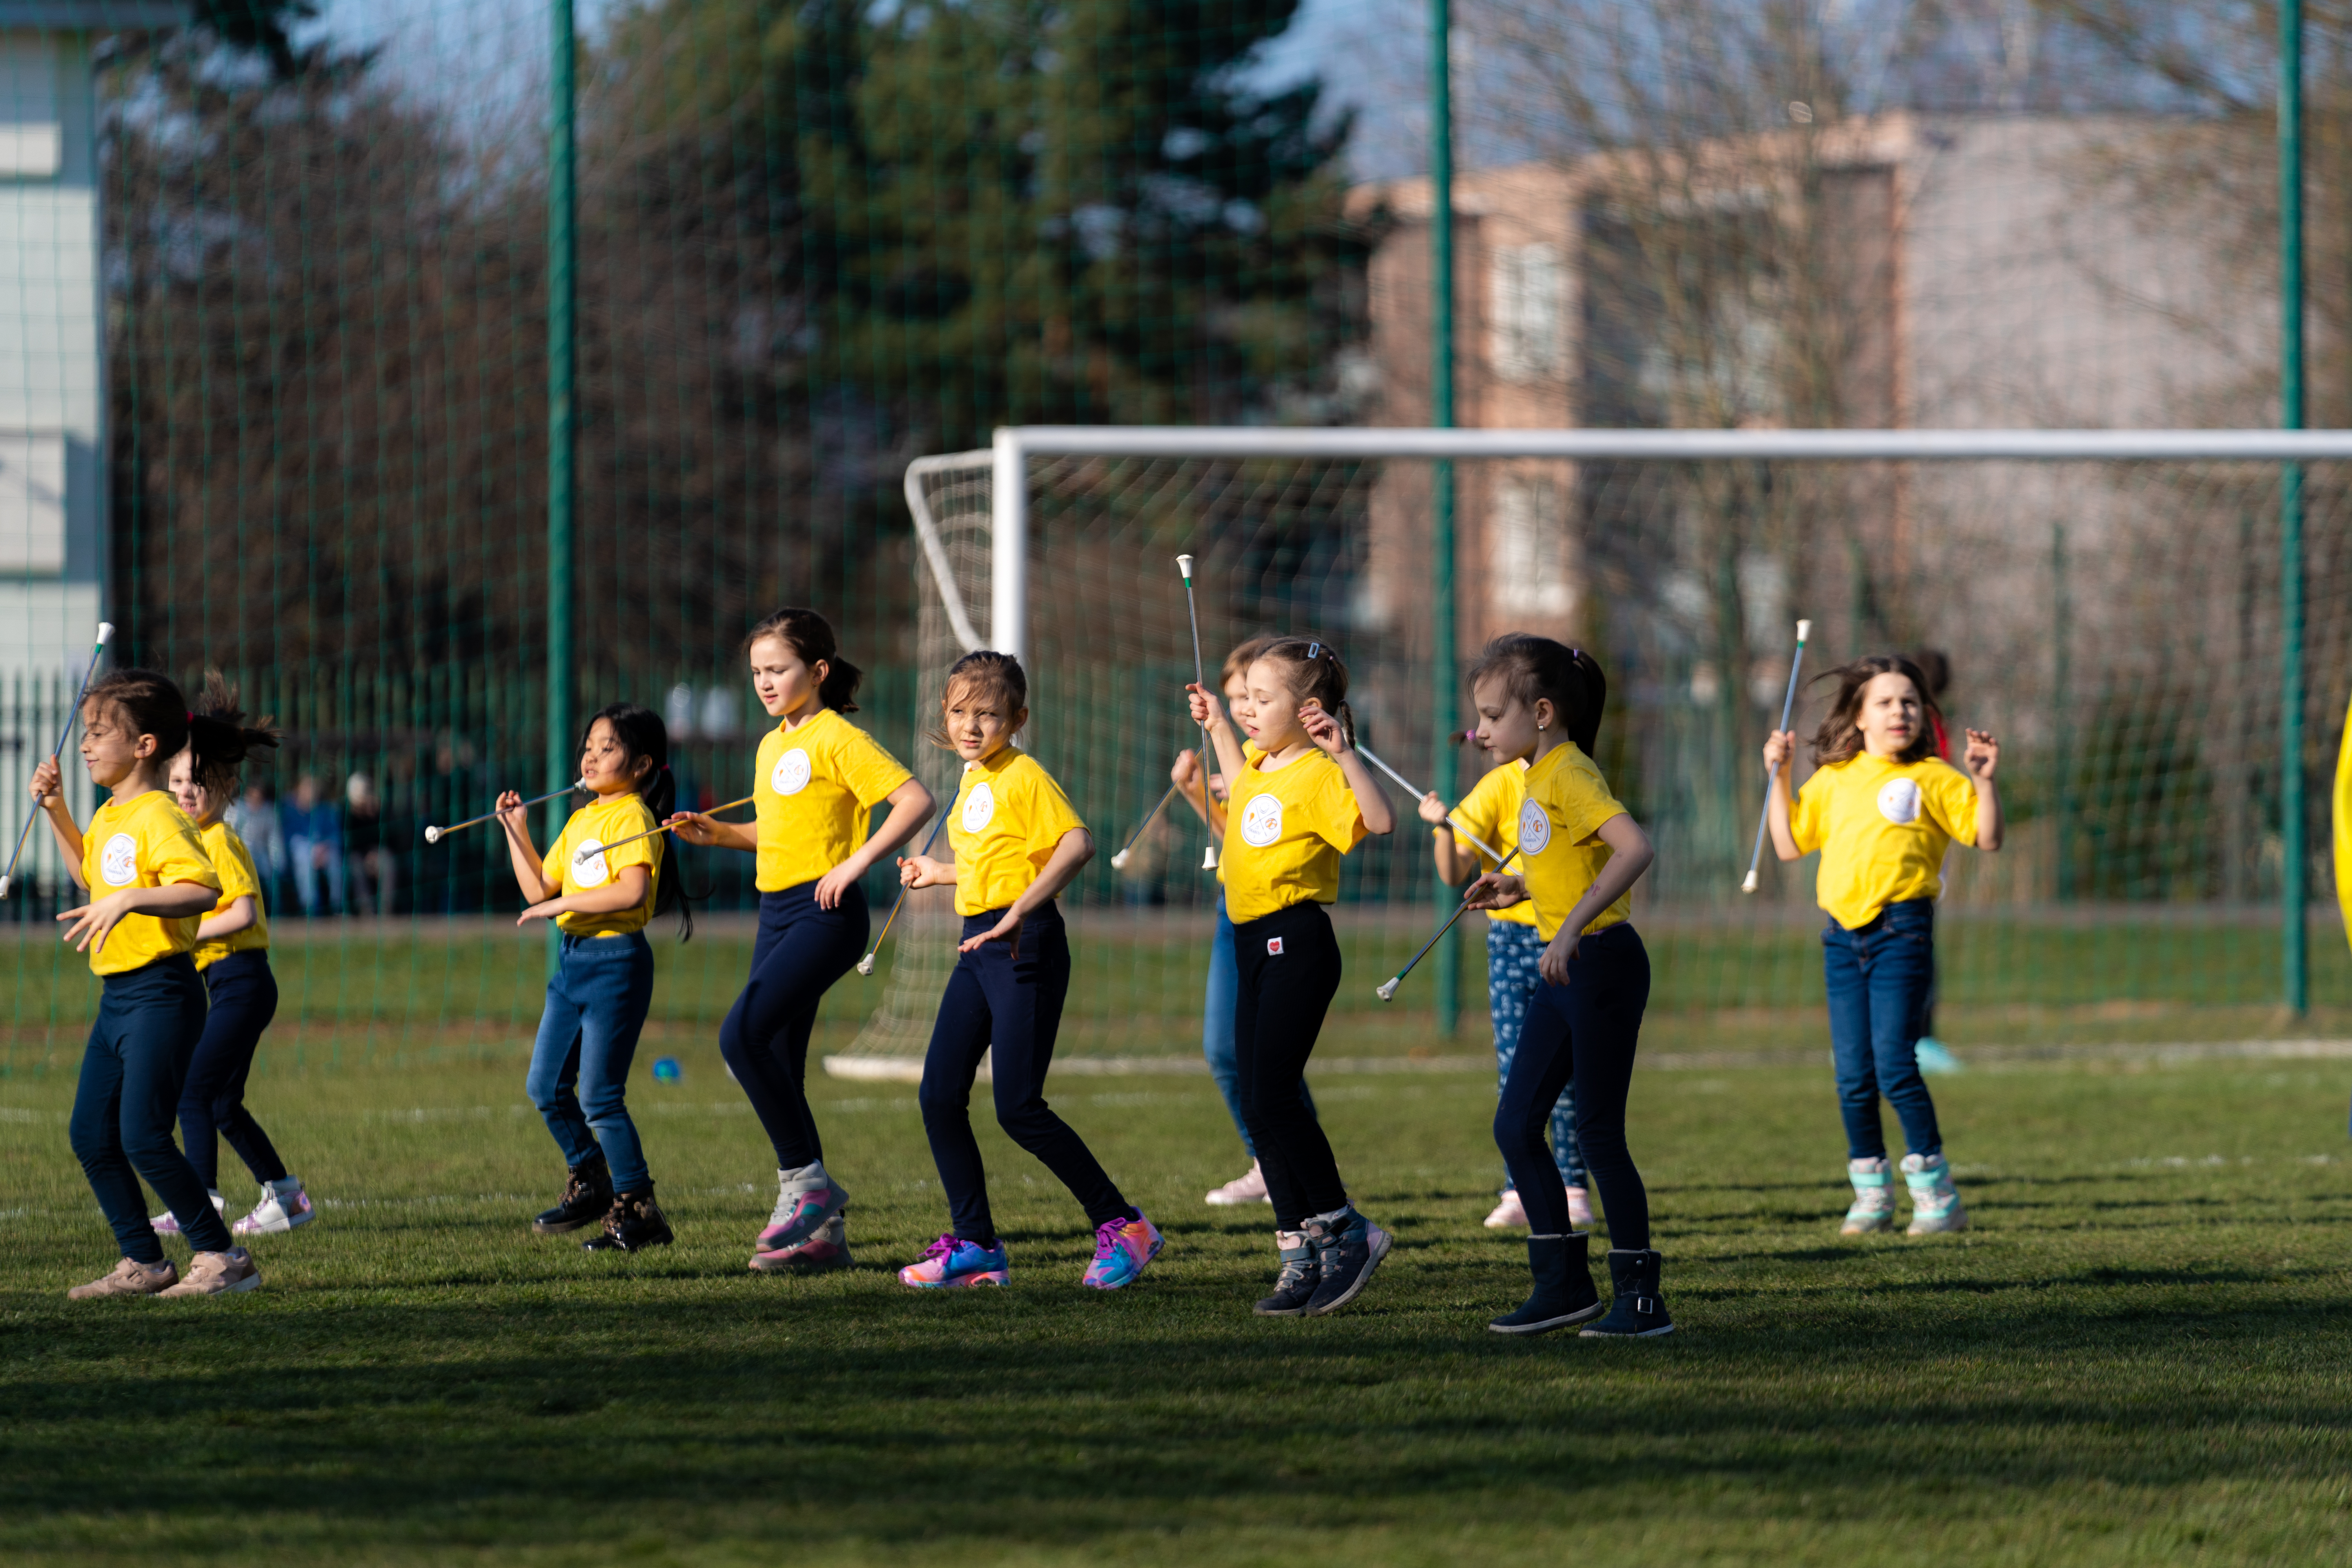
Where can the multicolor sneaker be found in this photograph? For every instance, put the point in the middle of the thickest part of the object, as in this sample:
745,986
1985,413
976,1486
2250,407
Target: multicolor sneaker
128,1279
1935,1202
1579,1208
806,1200
951,1261
1509,1213
1873,1198
168,1223
1122,1248
1249,1188
828,1248
218,1274
284,1206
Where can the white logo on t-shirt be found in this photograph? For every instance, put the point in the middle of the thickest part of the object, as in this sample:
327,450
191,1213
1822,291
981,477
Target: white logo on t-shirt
591,871
1262,821
792,774
1898,801
118,861
979,808
1534,829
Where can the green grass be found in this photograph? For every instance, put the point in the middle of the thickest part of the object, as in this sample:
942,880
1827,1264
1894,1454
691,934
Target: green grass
2141,1355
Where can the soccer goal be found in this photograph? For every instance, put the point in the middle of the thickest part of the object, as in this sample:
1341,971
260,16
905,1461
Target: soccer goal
2113,604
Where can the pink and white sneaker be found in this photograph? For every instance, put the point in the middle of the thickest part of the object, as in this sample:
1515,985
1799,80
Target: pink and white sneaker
283,1206
951,1263
828,1248
1122,1248
1580,1208
806,1200
1508,1213
167,1224
1248,1188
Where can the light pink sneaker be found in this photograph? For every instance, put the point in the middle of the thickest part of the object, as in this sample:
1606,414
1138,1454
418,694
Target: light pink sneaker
1249,1188
284,1205
128,1279
1122,1248
1508,1213
168,1223
828,1248
1580,1208
218,1274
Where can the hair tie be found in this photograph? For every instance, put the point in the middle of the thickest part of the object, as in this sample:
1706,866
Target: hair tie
191,718
1314,650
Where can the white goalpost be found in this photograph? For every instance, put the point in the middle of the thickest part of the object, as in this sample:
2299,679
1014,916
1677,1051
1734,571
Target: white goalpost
1025,543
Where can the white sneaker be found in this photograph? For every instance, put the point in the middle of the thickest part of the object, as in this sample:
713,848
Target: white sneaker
1580,1208
166,1223
1873,1198
1935,1202
1249,1188
284,1205
1508,1213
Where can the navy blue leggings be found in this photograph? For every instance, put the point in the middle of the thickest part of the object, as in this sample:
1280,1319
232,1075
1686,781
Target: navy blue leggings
1584,1035
244,996
1289,970
801,950
147,1023
1006,996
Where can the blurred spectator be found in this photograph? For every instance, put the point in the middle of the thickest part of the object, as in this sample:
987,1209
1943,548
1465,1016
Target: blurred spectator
374,873
253,819
314,846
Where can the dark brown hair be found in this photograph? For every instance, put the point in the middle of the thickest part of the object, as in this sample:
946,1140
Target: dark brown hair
1568,678
991,674
642,733
220,737
1244,655
1840,737
1314,670
809,635
149,701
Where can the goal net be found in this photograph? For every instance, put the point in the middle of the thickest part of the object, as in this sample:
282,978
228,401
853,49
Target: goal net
2113,606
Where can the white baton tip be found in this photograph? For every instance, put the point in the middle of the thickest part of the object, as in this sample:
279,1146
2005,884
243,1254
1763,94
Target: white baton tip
432,835
4,886
1804,630
1748,883
865,965
1389,990
1184,564
105,633
1119,861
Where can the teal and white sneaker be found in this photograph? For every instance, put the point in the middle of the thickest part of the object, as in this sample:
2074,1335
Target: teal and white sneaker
1873,1198
1934,1058
1935,1202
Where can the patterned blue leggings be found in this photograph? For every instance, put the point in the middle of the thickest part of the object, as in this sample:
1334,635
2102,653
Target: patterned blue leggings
1512,952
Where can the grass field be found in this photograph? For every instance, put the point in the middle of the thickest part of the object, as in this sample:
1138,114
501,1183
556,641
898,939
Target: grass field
2143,1353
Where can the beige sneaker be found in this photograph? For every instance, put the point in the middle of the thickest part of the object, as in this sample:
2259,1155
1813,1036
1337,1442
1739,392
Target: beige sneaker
218,1274
128,1279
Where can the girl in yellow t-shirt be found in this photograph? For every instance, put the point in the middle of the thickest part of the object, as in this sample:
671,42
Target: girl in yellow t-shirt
1294,810
817,779
601,899
233,956
1490,812
1016,844
1882,807
1581,852
152,885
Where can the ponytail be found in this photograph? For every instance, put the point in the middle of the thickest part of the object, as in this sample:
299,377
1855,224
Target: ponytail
1534,668
221,738
810,635
642,735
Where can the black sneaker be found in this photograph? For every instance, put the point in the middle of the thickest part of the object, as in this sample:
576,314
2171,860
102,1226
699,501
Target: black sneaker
1300,1275
586,1196
1564,1291
1639,1312
1346,1251
634,1223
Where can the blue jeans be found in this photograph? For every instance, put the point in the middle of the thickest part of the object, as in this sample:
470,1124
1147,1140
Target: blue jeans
1878,979
588,1037
800,949
147,1023
1007,997
1513,952
1217,1025
212,1102
1584,1033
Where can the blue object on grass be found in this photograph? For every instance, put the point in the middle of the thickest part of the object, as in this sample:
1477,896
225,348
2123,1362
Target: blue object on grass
667,1070
1935,1061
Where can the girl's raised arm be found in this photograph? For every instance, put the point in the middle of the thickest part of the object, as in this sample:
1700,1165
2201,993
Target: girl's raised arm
1210,713
49,795
1982,757
1778,749
521,854
910,806
1380,817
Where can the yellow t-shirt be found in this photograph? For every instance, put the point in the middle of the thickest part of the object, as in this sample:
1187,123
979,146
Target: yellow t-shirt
1491,810
1284,832
1882,827
1009,814
148,842
609,818
238,879
815,786
1558,835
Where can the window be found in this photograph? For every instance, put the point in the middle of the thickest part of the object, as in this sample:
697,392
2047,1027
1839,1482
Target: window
1527,282
1527,550
32,503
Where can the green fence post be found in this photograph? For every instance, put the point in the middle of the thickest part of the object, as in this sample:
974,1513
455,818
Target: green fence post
2296,954
1442,630
559,256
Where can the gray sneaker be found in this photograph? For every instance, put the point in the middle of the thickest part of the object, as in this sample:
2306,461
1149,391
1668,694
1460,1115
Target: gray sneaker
1346,1251
128,1279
